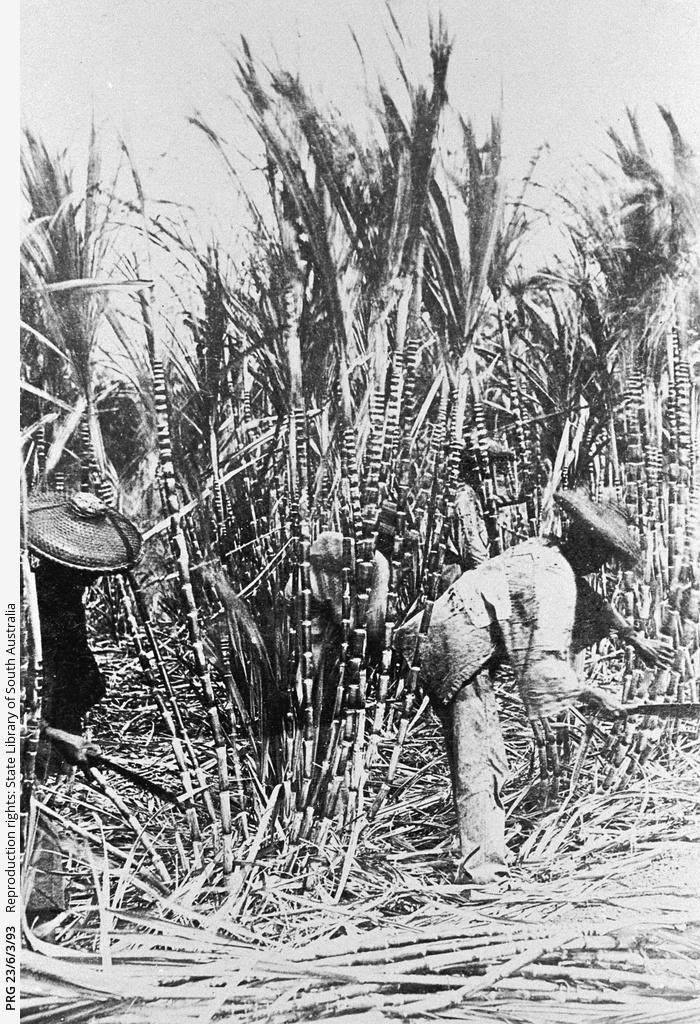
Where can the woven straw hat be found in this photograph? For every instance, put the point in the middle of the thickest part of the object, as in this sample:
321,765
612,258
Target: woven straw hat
602,524
81,532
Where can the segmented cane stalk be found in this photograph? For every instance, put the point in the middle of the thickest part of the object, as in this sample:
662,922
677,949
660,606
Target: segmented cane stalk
181,556
245,380
352,483
393,408
486,485
656,526
294,640
40,442
90,475
105,491
228,389
690,634
677,477
435,565
167,469
375,449
348,755
356,691
404,500
684,439
453,450
516,411
149,678
219,517
521,452
201,671
427,471
631,609
300,658
541,749
100,783
302,454
238,792
174,707
189,532
536,476
249,502
85,454
685,598
653,518
228,525
623,734
634,462
410,349
448,477
340,739
412,362
233,710
436,466
412,679
234,541
309,738
352,722
435,513
392,606
680,395
635,498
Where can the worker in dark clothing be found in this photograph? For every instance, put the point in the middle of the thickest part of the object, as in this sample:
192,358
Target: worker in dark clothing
72,542
74,683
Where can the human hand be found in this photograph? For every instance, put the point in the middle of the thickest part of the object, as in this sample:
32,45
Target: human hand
654,653
601,700
76,749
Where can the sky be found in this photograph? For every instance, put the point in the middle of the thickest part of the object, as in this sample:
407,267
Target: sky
560,70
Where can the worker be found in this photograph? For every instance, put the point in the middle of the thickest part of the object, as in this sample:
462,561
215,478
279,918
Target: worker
72,542
530,606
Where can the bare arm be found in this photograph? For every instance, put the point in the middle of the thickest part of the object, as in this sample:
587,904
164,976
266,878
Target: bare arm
376,609
468,530
596,619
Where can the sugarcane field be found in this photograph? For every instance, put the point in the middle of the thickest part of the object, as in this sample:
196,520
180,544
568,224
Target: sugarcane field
359,514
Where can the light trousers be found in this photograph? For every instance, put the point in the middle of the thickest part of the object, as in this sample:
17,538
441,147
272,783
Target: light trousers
478,766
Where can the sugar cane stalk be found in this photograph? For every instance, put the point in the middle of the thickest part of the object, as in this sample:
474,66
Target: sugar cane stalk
181,556
148,675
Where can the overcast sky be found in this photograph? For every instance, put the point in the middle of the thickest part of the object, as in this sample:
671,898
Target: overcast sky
565,69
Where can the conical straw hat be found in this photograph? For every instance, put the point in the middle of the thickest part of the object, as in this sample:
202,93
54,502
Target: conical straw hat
81,532
604,524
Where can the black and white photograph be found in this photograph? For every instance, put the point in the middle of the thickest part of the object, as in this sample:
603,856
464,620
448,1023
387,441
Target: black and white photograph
352,670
